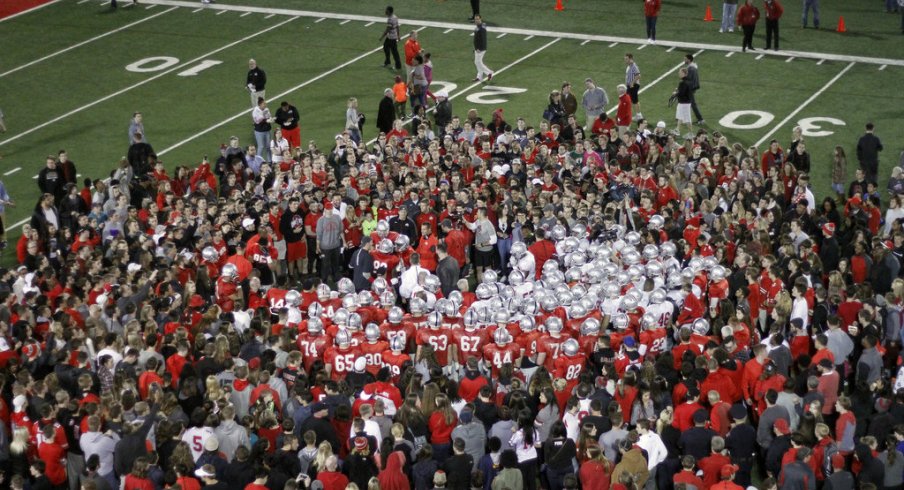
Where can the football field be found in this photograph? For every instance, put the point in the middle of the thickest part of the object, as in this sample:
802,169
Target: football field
73,72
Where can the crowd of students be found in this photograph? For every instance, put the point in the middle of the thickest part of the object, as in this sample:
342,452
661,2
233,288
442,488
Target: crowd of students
476,305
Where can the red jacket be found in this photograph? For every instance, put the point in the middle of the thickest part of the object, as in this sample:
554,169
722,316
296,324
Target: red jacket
55,457
748,15
773,10
651,7
440,431
623,115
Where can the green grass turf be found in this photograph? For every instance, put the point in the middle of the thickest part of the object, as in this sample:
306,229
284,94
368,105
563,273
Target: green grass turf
177,107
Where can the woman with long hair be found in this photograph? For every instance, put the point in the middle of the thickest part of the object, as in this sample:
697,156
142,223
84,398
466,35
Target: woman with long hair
138,478
21,452
441,423
359,465
525,441
596,471
393,477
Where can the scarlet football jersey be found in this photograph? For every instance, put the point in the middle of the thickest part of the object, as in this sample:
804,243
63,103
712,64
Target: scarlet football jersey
439,340
570,367
497,356
312,347
373,354
550,346
342,361
469,344
394,362
653,342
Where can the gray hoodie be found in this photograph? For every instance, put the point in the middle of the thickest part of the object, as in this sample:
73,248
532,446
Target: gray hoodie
231,436
101,444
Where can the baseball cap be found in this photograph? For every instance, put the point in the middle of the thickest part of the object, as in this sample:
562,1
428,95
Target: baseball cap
781,425
738,412
318,407
700,416
630,342
360,443
205,471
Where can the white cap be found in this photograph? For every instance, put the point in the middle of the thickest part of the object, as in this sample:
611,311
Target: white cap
247,222
660,124
133,268
360,364
537,182
443,94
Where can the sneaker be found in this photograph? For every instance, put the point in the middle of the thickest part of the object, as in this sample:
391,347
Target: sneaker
653,42
490,77
701,122
731,30
721,30
649,40
476,80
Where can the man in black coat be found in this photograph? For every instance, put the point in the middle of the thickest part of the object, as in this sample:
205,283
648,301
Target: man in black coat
741,444
447,270
138,155
697,440
133,443
386,112
829,250
798,473
318,423
868,148
443,114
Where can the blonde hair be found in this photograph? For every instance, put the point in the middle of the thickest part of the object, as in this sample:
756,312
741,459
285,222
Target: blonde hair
324,451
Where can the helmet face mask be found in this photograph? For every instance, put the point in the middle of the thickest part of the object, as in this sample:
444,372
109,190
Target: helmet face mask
379,285
519,249
385,246
230,271
590,326
432,284
209,254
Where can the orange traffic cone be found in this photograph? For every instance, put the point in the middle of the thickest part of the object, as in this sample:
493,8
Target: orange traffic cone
559,6
709,14
841,27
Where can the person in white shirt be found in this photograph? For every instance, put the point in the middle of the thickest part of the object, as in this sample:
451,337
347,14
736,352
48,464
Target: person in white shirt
409,279
650,442
371,427
196,437
278,145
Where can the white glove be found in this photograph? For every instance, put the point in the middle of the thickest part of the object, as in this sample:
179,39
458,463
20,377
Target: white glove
251,87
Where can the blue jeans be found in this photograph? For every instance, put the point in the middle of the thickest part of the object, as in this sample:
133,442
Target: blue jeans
810,4
651,28
504,245
262,138
729,10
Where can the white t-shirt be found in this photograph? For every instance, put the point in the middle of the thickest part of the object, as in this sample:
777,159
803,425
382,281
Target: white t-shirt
196,437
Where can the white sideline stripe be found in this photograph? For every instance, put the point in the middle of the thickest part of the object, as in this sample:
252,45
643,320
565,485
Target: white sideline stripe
369,24
882,67
18,224
276,97
729,54
805,104
147,80
613,45
477,84
87,41
585,42
821,62
789,60
760,57
528,38
221,12
195,11
128,5
246,14
346,21
654,82
448,31
10,172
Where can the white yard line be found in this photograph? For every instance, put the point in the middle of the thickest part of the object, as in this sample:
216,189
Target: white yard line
81,2
18,224
346,21
654,82
502,35
246,112
180,66
195,11
369,24
613,45
12,171
789,60
820,62
760,56
805,104
729,54
149,7
87,41
670,49
246,14
221,12
585,42
320,20
528,38
448,30
882,67
642,46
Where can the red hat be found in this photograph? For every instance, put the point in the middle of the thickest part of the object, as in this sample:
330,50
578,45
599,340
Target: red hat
254,363
196,301
781,425
889,244
360,443
31,350
728,470
855,201
828,229
328,205
837,461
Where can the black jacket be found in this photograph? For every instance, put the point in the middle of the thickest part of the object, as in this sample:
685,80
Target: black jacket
386,114
239,473
133,445
448,273
324,431
480,37
458,471
360,469
258,78
868,147
559,453
443,115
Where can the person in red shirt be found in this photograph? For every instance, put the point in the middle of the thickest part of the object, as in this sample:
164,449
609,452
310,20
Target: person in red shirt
712,465
549,345
441,423
501,352
468,341
623,113
684,413
774,12
228,291
373,347
177,361
687,474
340,360
456,242
53,455
395,358
437,337
570,365
651,13
426,246
747,17
726,475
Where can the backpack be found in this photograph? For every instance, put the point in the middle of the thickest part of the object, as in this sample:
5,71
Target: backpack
418,441
831,449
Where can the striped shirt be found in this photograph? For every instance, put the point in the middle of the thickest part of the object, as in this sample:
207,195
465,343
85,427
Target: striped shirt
631,74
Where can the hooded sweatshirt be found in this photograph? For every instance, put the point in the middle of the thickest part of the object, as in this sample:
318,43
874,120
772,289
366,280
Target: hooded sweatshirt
231,436
101,444
392,477
475,438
